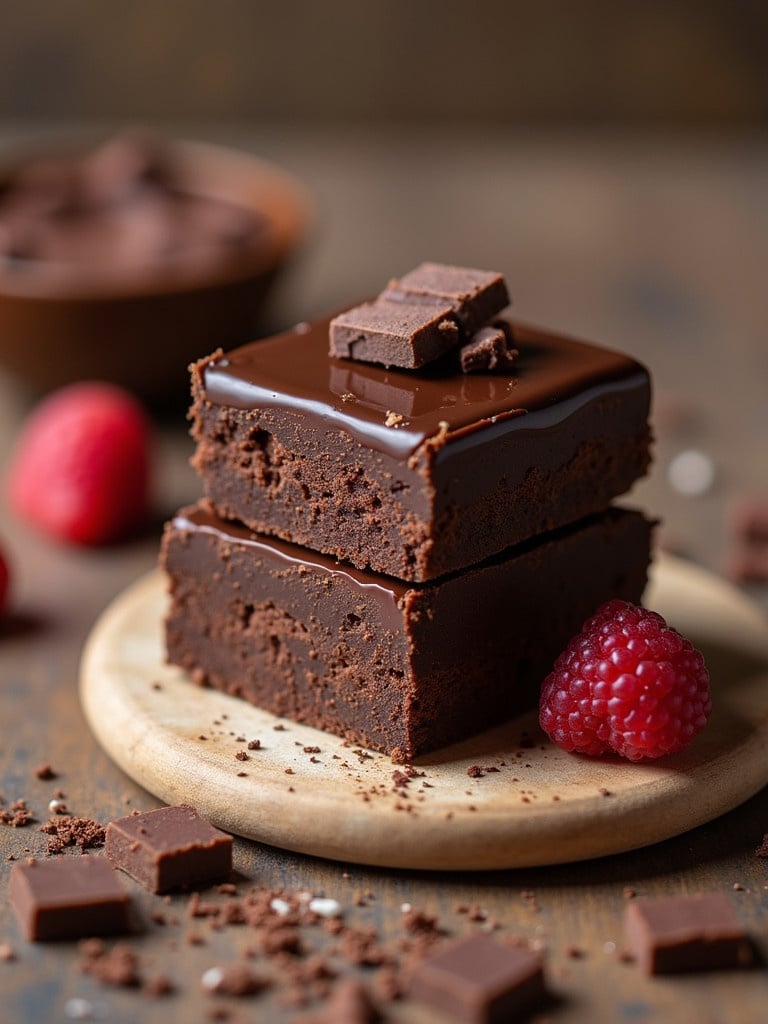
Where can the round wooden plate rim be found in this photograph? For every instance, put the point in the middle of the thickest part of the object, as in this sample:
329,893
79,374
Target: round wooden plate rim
153,736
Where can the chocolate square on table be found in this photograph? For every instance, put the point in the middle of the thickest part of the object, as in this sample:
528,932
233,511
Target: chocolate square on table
686,933
480,981
394,333
475,296
169,848
68,898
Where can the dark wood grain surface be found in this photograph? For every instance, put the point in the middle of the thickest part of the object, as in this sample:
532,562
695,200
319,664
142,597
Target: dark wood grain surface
657,249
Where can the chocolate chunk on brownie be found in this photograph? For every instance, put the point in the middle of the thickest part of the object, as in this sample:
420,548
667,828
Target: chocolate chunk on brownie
423,472
475,296
489,350
67,898
394,333
397,667
169,848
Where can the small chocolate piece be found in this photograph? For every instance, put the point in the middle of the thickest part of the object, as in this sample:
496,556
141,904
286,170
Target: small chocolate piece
67,898
479,981
685,933
489,350
169,848
474,295
394,333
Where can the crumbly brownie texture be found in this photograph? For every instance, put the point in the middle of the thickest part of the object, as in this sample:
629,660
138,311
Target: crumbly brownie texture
416,474
399,668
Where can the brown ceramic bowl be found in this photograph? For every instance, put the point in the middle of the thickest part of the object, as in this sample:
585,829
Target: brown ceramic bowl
142,330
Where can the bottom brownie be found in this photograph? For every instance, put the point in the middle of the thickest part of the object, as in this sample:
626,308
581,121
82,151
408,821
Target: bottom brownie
402,668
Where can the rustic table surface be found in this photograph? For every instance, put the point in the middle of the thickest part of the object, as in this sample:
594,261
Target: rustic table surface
658,248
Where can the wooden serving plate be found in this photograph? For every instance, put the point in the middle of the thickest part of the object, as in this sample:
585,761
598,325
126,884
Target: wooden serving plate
542,806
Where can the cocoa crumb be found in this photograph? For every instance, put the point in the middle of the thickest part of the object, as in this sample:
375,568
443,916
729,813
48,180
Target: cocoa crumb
419,922
45,772
279,727
69,831
117,967
574,952
19,816
311,750
254,744
233,980
157,985
475,771
242,756
350,1003
289,771
604,792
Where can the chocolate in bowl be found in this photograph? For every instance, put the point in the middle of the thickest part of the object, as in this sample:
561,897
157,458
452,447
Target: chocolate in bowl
127,273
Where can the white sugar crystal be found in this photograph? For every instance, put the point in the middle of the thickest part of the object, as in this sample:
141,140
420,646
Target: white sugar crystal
325,907
691,473
405,907
280,907
82,1009
212,978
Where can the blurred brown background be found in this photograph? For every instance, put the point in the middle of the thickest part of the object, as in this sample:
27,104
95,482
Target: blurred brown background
609,157
651,63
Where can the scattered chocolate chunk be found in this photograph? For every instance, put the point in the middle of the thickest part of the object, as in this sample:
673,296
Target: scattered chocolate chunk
488,351
479,981
67,898
685,933
45,772
169,848
66,830
475,296
394,333
747,559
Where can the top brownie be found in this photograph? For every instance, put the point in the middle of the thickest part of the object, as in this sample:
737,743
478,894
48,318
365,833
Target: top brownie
416,473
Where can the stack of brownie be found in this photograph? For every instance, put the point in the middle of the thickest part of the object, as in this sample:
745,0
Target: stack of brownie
408,513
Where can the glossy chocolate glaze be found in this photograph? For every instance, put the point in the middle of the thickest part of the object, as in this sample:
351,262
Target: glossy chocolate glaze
553,378
387,591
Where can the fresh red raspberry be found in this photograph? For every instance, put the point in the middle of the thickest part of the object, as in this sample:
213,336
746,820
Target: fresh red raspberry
81,466
629,684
